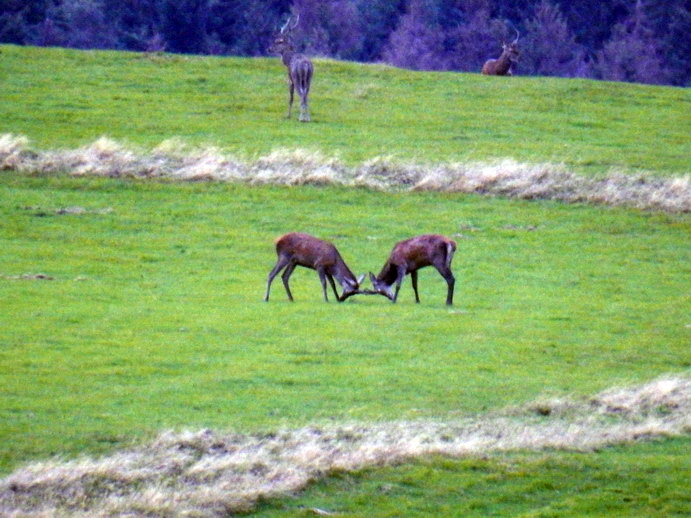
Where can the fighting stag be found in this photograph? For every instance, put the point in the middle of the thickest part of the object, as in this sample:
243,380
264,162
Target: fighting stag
408,257
502,65
300,69
296,249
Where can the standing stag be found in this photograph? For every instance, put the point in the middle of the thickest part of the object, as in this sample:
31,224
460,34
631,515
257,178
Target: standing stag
296,249
408,257
502,65
299,67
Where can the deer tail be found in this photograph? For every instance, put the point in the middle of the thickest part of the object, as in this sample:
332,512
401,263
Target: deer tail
450,250
304,79
302,87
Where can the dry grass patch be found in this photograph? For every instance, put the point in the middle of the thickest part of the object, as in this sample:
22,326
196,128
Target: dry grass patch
212,474
174,159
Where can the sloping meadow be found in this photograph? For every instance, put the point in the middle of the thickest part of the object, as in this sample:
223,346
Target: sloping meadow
210,473
213,472
564,284
173,159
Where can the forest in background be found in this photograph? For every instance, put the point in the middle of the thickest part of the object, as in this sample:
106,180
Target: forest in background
647,41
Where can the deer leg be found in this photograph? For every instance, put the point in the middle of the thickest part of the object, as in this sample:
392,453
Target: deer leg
333,286
304,109
413,278
450,282
280,264
399,280
286,276
322,279
290,102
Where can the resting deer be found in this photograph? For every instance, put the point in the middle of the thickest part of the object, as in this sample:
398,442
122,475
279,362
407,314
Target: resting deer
300,69
502,65
408,257
296,249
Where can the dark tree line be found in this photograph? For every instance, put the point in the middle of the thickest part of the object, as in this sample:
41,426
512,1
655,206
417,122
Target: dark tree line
645,41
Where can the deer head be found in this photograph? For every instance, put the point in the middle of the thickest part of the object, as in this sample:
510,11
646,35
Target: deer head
382,287
511,49
284,41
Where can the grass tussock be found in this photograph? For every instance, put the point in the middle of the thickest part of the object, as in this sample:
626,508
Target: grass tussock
175,160
209,473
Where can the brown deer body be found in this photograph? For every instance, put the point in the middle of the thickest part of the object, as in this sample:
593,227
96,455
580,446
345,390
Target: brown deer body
300,69
408,256
296,249
502,65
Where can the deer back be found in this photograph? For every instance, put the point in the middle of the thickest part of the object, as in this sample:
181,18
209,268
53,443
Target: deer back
311,252
489,67
421,251
307,250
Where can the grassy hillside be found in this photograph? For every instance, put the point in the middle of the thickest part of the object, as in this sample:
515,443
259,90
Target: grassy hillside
128,307
65,98
153,318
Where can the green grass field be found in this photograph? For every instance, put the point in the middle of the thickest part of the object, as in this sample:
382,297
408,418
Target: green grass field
640,480
63,98
154,316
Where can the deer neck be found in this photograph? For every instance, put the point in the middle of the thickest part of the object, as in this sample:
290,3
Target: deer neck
504,62
343,274
287,56
388,274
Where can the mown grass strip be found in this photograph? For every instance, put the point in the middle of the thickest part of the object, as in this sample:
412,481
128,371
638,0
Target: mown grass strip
216,474
174,160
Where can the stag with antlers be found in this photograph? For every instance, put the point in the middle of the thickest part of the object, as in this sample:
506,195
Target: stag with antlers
408,256
502,65
300,69
297,249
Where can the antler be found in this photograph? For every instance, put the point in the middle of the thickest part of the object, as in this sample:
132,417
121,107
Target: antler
346,296
514,28
288,26
285,26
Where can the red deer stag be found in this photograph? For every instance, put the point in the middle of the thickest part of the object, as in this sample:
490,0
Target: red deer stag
408,257
502,65
297,249
300,69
